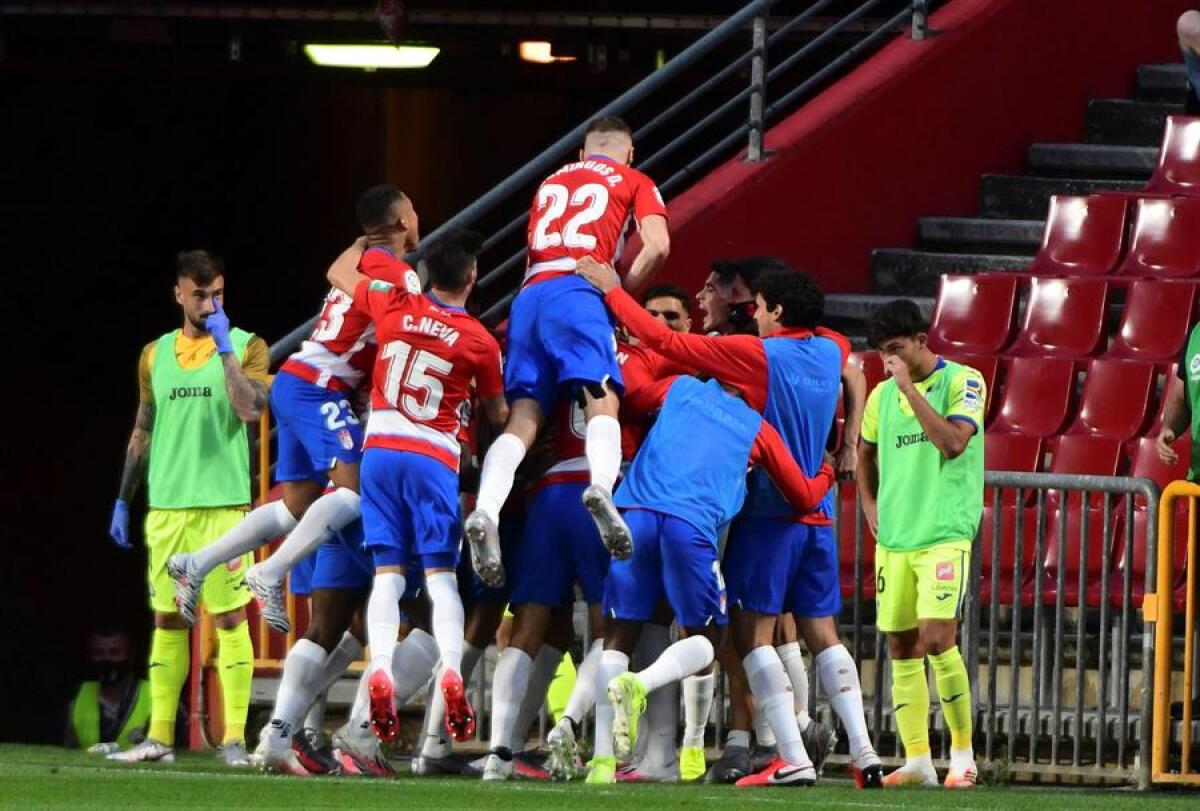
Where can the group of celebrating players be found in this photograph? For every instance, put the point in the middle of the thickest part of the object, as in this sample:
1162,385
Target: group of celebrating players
720,524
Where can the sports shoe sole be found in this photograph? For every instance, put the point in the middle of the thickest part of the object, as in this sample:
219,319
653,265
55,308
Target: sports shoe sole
485,552
186,597
384,721
868,777
275,615
460,717
561,763
613,530
624,726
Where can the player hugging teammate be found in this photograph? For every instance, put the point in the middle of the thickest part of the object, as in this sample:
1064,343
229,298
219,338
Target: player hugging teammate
688,414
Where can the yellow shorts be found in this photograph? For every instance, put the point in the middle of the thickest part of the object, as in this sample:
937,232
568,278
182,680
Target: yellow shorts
925,584
169,532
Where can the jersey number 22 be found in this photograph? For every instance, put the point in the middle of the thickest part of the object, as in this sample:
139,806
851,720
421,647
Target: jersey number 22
552,201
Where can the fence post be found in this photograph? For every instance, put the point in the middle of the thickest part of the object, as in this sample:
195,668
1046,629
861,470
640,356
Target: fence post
758,87
920,19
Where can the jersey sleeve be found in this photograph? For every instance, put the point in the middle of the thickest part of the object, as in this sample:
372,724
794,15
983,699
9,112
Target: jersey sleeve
968,395
738,360
373,296
647,200
869,430
145,362
385,267
256,360
772,455
489,376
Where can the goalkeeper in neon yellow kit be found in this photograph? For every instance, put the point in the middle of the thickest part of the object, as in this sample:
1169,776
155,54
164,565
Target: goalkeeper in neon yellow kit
920,473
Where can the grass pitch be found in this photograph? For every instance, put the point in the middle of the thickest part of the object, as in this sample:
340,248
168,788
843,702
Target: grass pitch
48,777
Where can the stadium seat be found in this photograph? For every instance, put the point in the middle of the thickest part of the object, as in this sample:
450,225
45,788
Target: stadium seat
1083,236
1063,318
1155,321
1169,374
973,314
1115,400
1165,239
871,365
1086,454
1145,463
1036,396
1178,170
1020,453
1012,579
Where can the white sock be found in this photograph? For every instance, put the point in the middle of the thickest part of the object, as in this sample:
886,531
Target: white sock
383,618
612,664
259,526
738,737
328,514
773,693
793,663
697,706
656,737
602,444
360,711
315,719
919,763
839,678
583,695
763,734
448,618
682,659
545,666
509,683
301,671
347,651
412,664
496,477
962,759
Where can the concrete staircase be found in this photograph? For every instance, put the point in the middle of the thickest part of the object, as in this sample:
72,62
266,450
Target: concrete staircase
1120,153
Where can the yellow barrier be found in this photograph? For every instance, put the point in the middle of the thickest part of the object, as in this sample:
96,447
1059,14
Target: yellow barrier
1159,608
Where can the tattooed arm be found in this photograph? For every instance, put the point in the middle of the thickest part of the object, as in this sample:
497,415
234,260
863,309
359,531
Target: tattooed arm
137,454
248,397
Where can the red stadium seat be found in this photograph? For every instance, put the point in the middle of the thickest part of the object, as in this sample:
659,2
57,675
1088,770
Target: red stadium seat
1169,376
1013,452
1083,236
1165,239
1064,318
1115,399
1178,170
871,365
1013,579
1145,463
1086,454
1036,396
1155,321
974,313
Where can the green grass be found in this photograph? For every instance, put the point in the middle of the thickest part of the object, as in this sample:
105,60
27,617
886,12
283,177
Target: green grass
46,777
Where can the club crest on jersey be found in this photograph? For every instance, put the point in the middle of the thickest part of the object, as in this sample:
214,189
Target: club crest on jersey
346,440
944,571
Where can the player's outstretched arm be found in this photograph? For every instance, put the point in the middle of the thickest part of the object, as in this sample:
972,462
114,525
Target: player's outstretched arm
656,246
772,454
343,273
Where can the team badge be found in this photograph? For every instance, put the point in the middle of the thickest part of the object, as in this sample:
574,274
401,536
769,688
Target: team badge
944,571
346,440
973,394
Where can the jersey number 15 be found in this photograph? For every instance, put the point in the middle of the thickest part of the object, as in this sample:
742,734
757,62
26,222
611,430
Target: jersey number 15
411,371
553,199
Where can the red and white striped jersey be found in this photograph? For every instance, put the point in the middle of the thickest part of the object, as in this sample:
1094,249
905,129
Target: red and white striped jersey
429,356
341,347
585,209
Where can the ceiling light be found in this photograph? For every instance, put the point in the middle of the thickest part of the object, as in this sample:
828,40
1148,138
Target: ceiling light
540,53
371,57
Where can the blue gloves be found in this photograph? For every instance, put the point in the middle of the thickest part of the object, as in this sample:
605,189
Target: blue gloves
217,325
118,529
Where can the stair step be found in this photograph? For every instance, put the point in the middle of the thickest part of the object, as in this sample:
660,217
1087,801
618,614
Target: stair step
859,307
1161,83
979,235
1027,198
1092,160
1120,121
916,273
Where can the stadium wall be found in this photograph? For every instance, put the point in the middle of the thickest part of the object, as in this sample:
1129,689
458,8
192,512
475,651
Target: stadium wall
909,132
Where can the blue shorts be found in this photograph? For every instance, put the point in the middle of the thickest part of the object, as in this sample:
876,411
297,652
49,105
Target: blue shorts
671,559
774,565
343,562
560,336
470,587
410,509
317,427
560,546
300,578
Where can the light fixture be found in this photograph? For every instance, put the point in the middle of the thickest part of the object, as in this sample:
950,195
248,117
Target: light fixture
540,53
371,57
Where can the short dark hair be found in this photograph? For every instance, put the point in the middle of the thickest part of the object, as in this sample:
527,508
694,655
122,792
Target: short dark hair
728,270
803,302
448,261
901,318
374,206
667,291
202,267
607,123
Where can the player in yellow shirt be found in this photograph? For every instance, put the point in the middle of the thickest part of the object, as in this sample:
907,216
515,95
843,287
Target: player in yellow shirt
200,385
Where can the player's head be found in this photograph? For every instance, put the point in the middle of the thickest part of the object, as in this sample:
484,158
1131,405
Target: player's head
451,262
110,654
726,300
898,328
609,136
388,218
669,304
199,284
786,299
